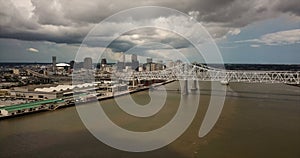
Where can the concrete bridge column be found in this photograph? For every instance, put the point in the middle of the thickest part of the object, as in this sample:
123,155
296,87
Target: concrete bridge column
185,87
194,85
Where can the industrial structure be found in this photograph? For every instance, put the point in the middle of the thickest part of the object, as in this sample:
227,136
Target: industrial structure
204,73
51,98
196,73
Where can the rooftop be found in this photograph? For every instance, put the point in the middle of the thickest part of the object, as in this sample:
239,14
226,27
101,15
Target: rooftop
29,105
62,65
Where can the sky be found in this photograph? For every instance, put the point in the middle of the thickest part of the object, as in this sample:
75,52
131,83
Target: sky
256,31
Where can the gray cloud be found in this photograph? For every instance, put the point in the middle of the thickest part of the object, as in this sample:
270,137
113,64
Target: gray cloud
286,37
146,38
121,45
12,20
50,13
290,6
65,21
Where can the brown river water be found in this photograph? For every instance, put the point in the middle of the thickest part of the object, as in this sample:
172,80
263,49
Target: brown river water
258,120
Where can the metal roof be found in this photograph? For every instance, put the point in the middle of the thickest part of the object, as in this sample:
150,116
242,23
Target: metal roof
63,87
29,105
62,65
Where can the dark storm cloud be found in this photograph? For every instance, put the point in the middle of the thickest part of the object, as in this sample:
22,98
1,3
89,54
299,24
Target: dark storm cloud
147,38
209,6
45,24
65,21
292,6
237,13
120,45
176,42
28,36
168,43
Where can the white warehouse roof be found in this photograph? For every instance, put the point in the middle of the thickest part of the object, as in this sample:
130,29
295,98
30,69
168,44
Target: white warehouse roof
63,87
62,65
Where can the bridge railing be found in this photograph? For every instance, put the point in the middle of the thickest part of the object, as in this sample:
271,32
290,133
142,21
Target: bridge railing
193,72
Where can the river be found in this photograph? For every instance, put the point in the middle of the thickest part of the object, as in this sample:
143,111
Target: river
258,120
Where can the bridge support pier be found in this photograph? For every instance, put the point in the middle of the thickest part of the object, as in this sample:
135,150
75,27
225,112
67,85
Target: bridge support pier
194,85
185,87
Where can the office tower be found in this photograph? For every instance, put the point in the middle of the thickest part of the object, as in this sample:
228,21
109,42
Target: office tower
122,58
133,57
103,62
134,62
87,63
149,60
121,62
54,64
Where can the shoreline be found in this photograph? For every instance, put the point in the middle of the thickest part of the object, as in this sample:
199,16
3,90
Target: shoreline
100,98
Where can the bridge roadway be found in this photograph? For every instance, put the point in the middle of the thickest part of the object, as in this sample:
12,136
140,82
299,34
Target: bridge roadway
204,73
33,73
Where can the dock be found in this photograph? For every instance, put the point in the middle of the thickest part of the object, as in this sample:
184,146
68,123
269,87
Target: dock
53,104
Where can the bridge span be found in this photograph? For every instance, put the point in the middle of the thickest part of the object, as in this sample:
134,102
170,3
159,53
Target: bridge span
205,73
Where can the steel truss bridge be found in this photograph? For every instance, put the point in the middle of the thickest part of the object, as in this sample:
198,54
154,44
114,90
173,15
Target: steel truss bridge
204,73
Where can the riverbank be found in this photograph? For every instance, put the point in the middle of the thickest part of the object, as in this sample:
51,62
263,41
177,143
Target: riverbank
99,98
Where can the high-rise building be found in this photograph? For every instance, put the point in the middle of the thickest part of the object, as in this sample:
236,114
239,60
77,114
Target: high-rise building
88,63
134,62
149,60
103,62
133,57
72,63
170,63
122,58
159,65
121,63
54,64
153,66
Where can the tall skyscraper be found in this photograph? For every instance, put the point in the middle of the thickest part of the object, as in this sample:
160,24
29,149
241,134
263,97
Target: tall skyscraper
121,62
134,62
122,58
103,62
54,64
149,60
88,63
133,57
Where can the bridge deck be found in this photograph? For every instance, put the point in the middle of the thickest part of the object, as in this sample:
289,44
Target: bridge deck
204,73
